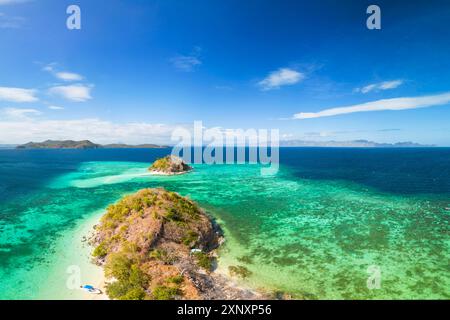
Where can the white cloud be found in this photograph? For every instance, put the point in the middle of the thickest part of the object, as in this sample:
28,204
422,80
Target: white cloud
367,89
96,130
50,67
380,105
55,108
185,63
286,136
17,94
16,113
62,75
281,77
5,2
386,85
69,76
76,92
22,130
8,22
390,84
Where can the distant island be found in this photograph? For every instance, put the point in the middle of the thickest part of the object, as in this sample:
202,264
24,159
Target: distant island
170,165
351,144
53,144
84,144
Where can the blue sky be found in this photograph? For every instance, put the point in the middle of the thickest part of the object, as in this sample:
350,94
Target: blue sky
139,68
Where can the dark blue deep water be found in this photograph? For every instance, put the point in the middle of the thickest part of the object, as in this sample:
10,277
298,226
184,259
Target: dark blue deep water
403,171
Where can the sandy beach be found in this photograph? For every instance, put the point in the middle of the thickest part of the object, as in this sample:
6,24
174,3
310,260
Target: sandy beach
160,173
75,265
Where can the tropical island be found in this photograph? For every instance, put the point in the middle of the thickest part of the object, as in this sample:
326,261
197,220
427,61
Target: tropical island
84,144
158,245
55,144
170,165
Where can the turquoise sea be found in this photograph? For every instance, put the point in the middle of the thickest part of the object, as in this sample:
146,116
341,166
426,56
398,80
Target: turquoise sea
312,230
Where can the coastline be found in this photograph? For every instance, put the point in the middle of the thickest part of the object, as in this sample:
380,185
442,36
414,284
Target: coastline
100,280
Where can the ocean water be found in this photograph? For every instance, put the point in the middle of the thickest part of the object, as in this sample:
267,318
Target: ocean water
317,229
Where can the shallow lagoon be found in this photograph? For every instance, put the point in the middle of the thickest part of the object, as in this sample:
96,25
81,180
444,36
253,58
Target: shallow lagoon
312,230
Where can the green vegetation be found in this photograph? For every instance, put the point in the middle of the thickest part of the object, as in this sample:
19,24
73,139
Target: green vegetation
170,290
100,251
176,279
165,293
183,205
163,256
190,238
131,280
117,213
118,266
203,260
162,164
239,271
174,215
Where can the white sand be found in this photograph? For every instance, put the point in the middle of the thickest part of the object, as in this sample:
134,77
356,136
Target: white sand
73,253
160,173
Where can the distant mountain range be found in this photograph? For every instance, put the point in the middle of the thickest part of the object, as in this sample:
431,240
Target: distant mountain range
350,144
85,144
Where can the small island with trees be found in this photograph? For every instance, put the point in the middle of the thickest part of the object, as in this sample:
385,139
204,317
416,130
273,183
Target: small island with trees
84,144
56,144
170,165
158,245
